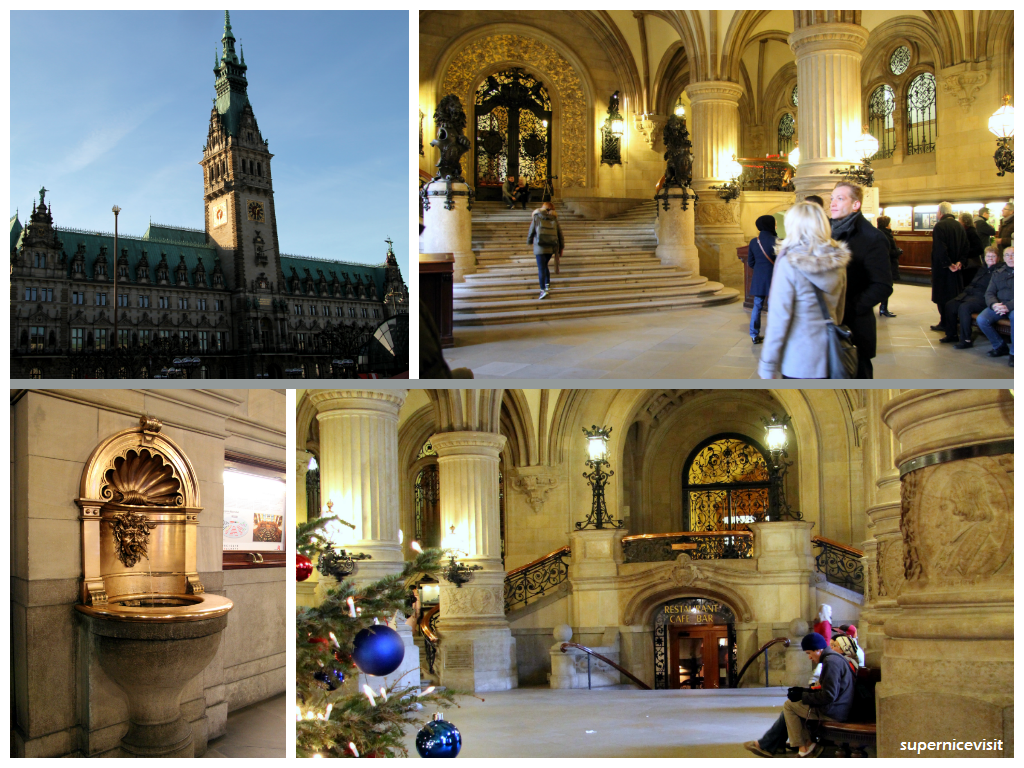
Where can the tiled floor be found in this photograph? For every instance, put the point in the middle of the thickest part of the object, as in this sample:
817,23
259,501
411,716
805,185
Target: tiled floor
711,342
258,730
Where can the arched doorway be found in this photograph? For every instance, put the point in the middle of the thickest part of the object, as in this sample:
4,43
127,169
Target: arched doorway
427,496
725,487
512,112
694,644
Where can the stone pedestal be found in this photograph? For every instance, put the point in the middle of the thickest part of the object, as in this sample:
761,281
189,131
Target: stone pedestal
593,573
477,650
715,131
449,231
359,474
676,246
828,58
947,665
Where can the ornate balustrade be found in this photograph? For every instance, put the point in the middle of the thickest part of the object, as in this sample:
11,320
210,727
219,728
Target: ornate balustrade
766,175
699,545
840,563
535,579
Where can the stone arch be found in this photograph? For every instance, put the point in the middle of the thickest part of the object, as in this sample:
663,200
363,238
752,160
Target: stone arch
688,25
736,41
776,102
517,426
470,59
639,609
412,434
951,48
886,36
671,77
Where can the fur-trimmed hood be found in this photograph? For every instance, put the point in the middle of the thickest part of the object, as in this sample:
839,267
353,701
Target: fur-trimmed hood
824,258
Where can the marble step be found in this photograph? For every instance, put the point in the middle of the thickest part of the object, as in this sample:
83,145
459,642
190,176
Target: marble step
539,310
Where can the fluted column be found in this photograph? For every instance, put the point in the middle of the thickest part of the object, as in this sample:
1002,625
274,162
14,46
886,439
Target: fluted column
359,472
714,126
477,651
883,551
305,591
947,665
828,58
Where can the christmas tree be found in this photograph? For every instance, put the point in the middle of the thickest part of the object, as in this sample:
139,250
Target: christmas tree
338,717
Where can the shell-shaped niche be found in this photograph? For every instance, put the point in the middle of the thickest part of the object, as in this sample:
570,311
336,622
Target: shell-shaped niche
142,478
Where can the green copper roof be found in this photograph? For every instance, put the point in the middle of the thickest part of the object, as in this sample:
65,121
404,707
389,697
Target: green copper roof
16,229
175,248
183,234
369,273
231,84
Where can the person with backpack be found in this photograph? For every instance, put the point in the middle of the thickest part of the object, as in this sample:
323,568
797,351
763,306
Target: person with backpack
832,700
547,240
761,258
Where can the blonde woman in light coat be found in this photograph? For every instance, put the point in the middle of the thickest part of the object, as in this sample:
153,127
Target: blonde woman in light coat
796,340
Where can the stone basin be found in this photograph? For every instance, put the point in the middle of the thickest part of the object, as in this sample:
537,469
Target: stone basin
151,646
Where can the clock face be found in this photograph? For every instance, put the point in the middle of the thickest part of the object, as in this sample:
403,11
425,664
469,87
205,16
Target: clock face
255,208
220,214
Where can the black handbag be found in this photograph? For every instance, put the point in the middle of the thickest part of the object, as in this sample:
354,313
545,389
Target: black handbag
842,354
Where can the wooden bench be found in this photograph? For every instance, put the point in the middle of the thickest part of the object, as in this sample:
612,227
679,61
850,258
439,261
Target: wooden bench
1002,325
852,738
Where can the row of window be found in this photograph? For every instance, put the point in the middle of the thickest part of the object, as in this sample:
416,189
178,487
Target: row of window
82,338
339,311
123,300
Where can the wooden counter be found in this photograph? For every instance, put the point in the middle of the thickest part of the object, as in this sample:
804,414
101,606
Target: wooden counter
437,273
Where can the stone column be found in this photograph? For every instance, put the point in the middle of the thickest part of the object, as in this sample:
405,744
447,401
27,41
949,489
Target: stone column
714,126
305,591
828,60
359,474
883,552
477,651
449,231
593,573
947,665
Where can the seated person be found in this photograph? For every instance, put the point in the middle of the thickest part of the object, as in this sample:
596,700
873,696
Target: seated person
999,298
831,700
851,632
522,193
970,300
508,192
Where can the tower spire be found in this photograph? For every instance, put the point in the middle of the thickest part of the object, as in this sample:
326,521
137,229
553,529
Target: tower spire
231,83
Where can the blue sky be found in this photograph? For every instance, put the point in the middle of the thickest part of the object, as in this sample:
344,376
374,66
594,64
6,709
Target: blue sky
114,107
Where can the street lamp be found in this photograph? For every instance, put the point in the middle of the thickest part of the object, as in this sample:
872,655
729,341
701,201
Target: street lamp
597,478
865,147
116,210
794,154
732,170
1001,124
612,130
776,437
680,110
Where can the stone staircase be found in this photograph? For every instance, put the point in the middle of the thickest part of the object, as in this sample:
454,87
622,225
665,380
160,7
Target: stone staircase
608,267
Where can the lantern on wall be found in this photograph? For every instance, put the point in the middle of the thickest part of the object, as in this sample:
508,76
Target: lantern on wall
1001,125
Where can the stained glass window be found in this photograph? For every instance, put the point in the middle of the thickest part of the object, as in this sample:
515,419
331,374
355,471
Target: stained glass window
900,60
796,101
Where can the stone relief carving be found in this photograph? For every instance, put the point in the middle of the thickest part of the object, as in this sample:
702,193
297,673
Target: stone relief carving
474,601
964,87
650,127
716,214
465,70
686,572
957,521
890,569
535,487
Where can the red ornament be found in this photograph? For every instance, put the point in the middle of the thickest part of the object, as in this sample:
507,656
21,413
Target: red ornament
303,567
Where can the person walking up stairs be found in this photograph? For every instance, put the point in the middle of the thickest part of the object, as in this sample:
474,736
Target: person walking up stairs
547,240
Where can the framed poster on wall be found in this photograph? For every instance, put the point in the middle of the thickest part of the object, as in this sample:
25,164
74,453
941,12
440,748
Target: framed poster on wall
254,532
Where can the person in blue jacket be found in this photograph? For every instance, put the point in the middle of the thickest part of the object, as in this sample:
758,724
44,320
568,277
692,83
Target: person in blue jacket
761,258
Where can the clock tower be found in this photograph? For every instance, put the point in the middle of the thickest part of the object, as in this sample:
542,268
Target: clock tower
237,183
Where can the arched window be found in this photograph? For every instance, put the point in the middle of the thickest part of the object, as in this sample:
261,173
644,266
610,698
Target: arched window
921,114
881,120
426,493
787,127
794,96
725,487
900,60
259,169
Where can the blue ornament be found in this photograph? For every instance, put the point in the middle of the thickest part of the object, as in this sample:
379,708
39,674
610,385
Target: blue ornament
329,678
378,650
438,738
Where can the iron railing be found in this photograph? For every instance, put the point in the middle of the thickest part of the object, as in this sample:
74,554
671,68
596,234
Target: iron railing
699,545
766,175
535,579
566,646
763,649
840,563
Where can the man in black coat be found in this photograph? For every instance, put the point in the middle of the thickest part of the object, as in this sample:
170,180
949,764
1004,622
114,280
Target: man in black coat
971,299
949,255
868,276
985,230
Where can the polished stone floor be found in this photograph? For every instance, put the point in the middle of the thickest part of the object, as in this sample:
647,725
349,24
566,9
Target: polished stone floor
706,343
259,730
613,722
